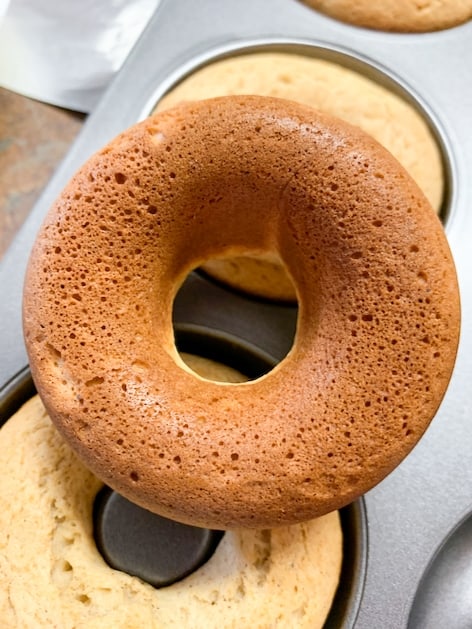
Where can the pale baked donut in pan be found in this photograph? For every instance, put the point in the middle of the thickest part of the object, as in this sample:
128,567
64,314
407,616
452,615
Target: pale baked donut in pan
53,576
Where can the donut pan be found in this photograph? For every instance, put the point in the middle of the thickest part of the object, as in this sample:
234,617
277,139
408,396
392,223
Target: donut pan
408,542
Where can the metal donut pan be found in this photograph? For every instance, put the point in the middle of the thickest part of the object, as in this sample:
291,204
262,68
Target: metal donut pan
411,565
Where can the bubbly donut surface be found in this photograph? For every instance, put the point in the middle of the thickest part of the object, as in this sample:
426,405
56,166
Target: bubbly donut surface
377,328
53,576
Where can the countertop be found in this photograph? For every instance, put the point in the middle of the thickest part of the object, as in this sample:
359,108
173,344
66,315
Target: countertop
34,137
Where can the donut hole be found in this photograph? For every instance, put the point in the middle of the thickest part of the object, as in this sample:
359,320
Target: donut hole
220,357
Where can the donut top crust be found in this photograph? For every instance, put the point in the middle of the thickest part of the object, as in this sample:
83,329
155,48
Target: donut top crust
377,329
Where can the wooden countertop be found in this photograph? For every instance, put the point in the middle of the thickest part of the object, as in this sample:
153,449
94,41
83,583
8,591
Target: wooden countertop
34,137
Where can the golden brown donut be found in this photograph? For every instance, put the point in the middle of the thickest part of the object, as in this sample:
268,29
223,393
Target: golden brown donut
377,328
398,15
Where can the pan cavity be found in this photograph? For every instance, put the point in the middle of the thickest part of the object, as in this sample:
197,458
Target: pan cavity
444,597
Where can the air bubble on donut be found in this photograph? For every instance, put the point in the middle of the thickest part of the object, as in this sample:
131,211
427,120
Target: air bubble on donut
120,178
84,599
55,353
94,381
140,366
62,572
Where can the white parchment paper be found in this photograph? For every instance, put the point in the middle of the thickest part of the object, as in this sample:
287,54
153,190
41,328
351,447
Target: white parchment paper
65,52
3,7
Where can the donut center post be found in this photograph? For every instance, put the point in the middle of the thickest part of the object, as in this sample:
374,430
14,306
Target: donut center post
155,549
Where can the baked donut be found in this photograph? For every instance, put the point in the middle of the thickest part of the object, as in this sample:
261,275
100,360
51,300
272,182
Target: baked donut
53,576
398,15
377,327
335,90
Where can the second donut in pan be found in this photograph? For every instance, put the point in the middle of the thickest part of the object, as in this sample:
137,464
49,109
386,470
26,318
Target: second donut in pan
259,578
